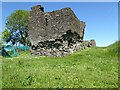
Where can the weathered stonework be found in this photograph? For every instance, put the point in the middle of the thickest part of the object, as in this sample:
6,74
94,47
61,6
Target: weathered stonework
55,33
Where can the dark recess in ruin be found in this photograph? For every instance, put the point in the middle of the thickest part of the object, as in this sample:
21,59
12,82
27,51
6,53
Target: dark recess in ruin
46,21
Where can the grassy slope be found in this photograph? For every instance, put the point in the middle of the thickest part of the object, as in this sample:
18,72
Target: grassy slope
95,67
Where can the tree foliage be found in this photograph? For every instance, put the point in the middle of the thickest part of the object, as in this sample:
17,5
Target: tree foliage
17,28
6,35
0,44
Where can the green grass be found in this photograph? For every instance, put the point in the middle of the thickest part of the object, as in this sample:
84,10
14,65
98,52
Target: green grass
95,67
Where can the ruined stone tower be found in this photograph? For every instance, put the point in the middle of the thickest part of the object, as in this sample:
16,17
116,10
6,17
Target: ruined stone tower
55,33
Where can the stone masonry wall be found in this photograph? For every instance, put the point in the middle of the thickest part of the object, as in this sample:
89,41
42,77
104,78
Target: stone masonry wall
56,33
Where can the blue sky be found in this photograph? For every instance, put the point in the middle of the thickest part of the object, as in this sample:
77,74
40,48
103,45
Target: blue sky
101,18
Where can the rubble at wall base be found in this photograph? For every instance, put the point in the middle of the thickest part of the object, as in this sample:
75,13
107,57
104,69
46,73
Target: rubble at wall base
61,47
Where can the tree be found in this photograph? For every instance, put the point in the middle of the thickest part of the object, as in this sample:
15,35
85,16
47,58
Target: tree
0,45
6,35
17,28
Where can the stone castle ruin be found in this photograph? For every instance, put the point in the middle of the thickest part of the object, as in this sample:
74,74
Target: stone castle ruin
56,33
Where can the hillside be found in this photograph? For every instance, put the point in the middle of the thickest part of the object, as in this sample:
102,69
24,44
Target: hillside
95,67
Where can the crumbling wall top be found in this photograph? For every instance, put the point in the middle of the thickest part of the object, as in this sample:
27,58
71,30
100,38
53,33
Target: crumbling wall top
37,8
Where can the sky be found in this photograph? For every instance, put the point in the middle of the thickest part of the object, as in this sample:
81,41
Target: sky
101,18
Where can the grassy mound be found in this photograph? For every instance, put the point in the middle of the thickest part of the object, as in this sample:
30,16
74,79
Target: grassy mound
95,67
114,48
